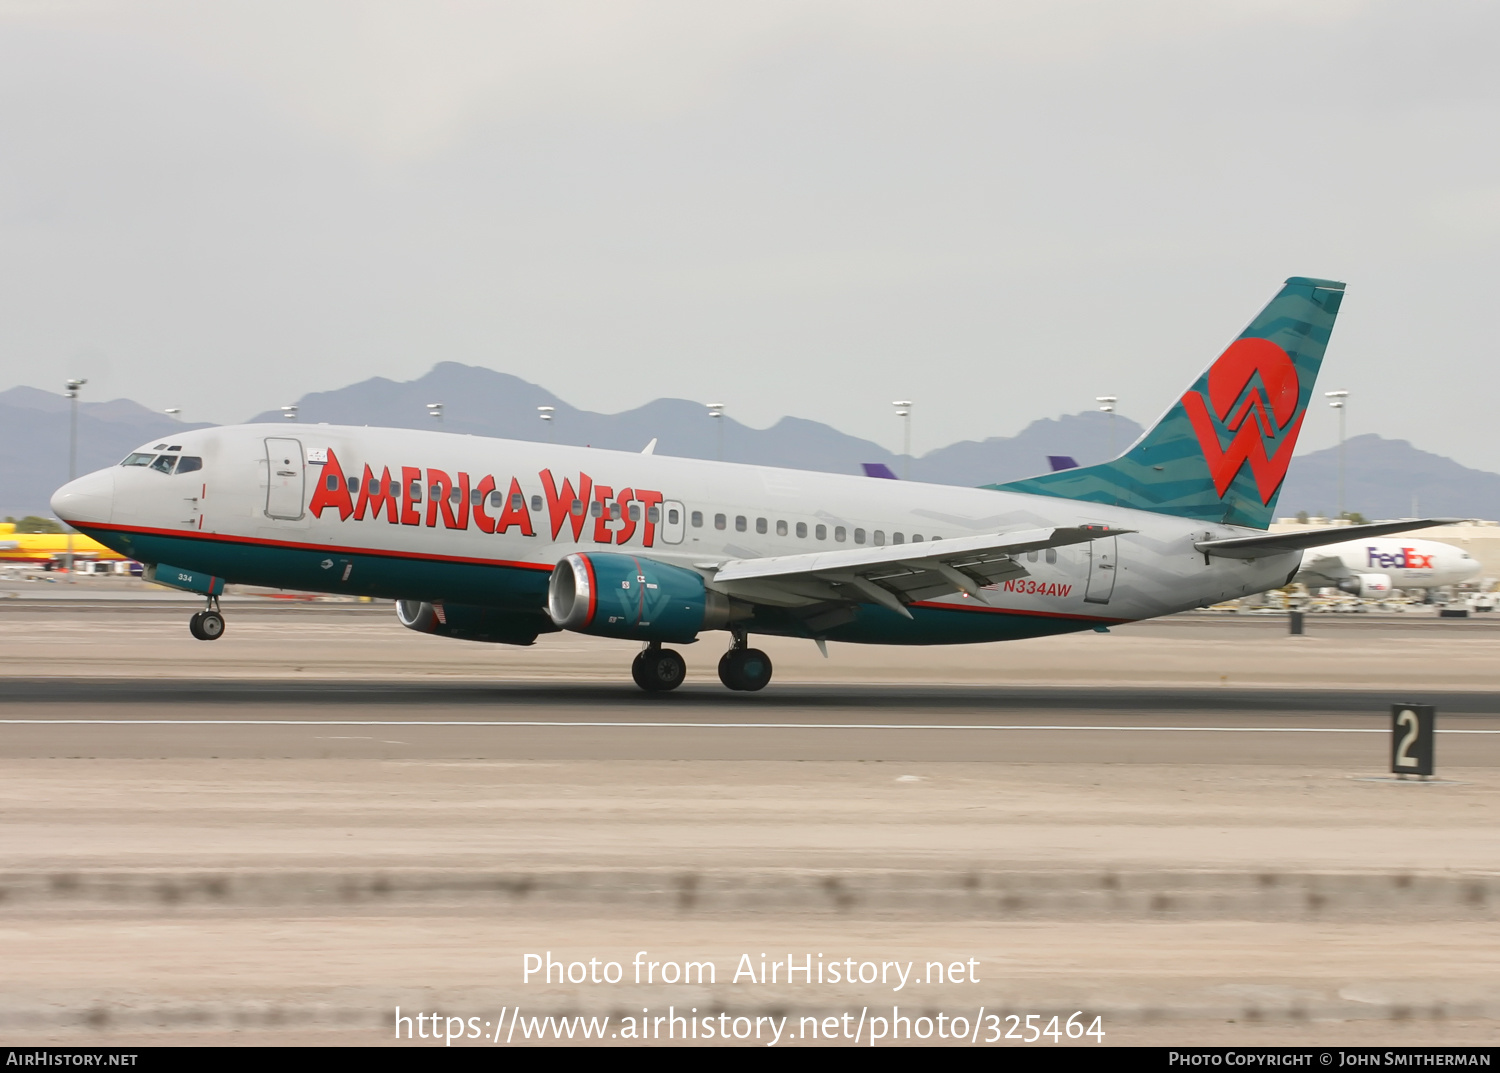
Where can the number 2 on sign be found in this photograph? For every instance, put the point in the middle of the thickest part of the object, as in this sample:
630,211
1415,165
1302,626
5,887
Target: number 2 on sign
1404,758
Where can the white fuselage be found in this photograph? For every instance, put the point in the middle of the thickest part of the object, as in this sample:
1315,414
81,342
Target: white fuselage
507,511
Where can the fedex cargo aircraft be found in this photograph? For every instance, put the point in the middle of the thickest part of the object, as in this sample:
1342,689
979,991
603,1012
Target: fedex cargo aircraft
500,540
1374,566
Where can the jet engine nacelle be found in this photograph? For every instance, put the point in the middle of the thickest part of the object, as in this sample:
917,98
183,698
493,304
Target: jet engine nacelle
1367,586
468,623
616,595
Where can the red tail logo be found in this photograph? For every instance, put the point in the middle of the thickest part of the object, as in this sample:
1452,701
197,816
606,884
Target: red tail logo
1265,419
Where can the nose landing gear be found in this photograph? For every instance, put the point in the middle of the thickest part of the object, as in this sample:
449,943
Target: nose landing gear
744,669
208,624
658,669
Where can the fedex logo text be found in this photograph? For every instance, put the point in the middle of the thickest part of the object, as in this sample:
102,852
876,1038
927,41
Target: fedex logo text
1405,559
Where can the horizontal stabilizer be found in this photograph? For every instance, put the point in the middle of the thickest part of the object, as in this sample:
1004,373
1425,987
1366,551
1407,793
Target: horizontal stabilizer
1251,546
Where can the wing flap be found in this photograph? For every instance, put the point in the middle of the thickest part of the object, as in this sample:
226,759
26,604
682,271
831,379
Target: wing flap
895,575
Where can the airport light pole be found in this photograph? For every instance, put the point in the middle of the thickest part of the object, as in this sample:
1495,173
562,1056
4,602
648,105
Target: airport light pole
435,409
289,412
73,386
903,411
716,411
545,413
1107,405
173,411
1338,400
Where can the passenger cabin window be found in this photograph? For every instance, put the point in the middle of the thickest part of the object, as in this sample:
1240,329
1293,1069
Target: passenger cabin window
1052,555
739,523
859,536
373,488
916,538
879,538
897,538
353,481
821,532
698,520
672,515
332,482
164,464
635,512
596,509
577,508
414,493
838,534
720,521
536,502
454,496
653,515
802,530
760,525
476,498
1032,556
780,527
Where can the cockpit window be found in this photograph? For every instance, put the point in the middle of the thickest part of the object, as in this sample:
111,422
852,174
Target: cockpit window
139,458
164,463
159,447
188,463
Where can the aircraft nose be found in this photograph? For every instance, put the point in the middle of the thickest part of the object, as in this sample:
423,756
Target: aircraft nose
91,498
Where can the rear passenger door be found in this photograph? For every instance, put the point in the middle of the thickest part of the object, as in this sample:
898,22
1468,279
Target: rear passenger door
673,522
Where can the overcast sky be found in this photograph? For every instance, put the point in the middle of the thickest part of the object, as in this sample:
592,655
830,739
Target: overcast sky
996,209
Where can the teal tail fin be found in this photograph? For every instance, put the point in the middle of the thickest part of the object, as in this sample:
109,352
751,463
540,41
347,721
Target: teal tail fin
1221,451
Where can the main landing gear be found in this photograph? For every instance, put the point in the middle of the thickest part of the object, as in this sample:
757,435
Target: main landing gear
744,669
208,624
657,669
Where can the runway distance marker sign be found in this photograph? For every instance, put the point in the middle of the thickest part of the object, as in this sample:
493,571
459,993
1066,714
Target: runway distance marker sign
1413,732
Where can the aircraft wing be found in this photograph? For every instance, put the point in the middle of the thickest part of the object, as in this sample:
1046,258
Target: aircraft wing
1249,547
894,575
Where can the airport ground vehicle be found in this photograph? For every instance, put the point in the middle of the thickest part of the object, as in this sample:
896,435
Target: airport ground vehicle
500,541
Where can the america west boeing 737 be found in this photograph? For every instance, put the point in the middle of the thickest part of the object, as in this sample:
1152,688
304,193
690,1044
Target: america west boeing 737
498,540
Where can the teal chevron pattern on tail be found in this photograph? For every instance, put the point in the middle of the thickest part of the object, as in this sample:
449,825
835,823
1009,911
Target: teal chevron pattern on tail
1221,451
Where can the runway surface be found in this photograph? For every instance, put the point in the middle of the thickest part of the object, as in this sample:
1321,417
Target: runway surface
281,836
290,720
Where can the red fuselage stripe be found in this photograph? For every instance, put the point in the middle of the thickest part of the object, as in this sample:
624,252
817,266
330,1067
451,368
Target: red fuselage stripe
340,549
1019,611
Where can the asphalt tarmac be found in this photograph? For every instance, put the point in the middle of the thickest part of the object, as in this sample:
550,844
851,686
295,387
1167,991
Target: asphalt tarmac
1185,828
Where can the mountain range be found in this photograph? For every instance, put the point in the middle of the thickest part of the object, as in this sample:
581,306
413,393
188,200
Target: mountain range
1384,478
